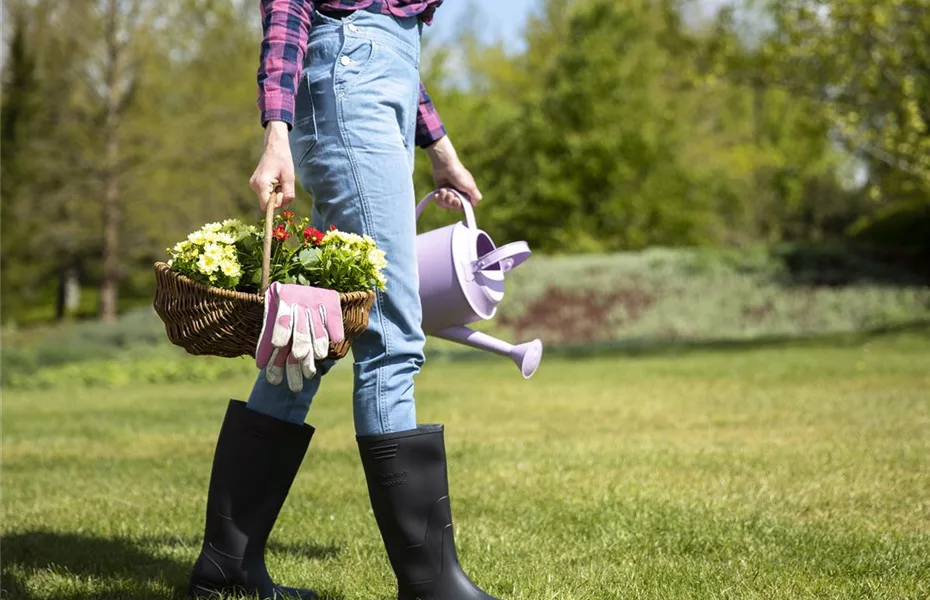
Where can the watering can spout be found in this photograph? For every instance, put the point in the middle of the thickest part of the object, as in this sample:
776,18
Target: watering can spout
526,355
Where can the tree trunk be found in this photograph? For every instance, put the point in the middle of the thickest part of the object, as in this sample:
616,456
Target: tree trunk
109,287
69,293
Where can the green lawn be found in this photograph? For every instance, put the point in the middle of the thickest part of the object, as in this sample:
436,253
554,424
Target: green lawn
778,473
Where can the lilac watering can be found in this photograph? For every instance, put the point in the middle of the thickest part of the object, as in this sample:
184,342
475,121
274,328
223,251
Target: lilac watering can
462,281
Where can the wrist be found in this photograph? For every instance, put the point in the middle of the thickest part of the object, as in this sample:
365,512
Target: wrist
276,133
441,152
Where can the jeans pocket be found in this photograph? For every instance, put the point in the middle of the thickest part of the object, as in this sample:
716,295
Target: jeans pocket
304,134
400,50
353,62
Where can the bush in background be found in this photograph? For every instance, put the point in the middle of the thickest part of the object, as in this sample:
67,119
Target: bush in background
658,296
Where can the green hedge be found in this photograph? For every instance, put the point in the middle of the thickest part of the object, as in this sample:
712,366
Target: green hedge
122,372
651,297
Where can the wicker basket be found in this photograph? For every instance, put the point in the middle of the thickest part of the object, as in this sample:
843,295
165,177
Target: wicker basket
206,320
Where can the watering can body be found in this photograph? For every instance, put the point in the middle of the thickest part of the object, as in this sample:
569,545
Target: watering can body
461,274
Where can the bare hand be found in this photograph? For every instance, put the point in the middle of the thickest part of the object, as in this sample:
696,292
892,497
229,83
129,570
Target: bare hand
449,172
275,169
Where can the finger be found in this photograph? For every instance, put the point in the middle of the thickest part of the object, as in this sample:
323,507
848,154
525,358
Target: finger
287,186
308,366
475,195
283,330
263,184
294,371
273,372
471,191
331,318
263,348
279,199
449,199
319,333
303,333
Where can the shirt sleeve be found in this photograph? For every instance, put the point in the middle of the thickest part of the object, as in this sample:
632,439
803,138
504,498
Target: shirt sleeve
429,125
286,29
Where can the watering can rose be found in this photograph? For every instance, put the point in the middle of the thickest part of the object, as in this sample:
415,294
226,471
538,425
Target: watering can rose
228,255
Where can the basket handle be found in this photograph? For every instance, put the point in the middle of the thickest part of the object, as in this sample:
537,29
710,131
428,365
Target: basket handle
266,249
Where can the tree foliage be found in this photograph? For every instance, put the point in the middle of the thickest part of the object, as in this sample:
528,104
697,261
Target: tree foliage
616,125
868,64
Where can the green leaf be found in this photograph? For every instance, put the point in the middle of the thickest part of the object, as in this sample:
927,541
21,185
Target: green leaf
308,257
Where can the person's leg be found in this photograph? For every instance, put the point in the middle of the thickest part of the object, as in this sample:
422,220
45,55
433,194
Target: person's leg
259,451
254,465
280,402
363,82
362,85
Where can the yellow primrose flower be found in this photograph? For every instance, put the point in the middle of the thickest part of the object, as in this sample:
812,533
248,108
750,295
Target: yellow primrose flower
348,239
377,258
208,263
225,238
230,268
197,237
214,250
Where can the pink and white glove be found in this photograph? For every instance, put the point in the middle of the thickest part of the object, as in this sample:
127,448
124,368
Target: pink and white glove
300,322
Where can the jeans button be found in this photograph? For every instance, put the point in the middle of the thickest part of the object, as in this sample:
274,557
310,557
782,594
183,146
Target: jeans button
346,61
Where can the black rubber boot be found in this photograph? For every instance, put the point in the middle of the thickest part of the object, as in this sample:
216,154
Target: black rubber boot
254,465
409,490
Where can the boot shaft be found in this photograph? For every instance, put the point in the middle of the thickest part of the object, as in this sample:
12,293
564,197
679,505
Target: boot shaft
409,490
256,460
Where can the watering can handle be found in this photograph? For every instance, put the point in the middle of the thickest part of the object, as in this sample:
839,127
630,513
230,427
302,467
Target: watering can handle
509,256
466,206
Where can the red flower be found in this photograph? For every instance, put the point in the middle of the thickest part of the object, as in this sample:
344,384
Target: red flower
313,236
288,214
332,228
280,232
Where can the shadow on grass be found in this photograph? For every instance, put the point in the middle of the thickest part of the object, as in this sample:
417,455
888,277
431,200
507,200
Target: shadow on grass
125,568
660,347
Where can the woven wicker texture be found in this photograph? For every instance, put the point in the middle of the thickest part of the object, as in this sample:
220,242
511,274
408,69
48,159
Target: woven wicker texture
208,320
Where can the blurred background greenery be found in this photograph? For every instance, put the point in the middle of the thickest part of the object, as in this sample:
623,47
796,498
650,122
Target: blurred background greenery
759,169
697,178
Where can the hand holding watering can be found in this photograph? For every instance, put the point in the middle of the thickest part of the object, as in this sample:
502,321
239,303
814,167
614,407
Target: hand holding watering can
462,281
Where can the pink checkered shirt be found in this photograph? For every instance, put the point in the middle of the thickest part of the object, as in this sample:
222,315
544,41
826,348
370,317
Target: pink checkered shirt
286,26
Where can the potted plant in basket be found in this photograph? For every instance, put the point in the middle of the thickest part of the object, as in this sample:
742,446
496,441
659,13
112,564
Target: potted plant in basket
210,293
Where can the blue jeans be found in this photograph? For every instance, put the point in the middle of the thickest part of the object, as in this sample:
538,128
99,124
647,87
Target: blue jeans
353,147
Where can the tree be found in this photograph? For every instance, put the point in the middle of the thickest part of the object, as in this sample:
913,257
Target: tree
19,111
136,137
868,63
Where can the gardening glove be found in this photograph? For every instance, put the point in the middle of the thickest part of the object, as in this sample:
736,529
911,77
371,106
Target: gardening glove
300,323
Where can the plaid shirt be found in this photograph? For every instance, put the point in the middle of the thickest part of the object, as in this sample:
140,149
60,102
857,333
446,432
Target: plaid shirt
286,27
